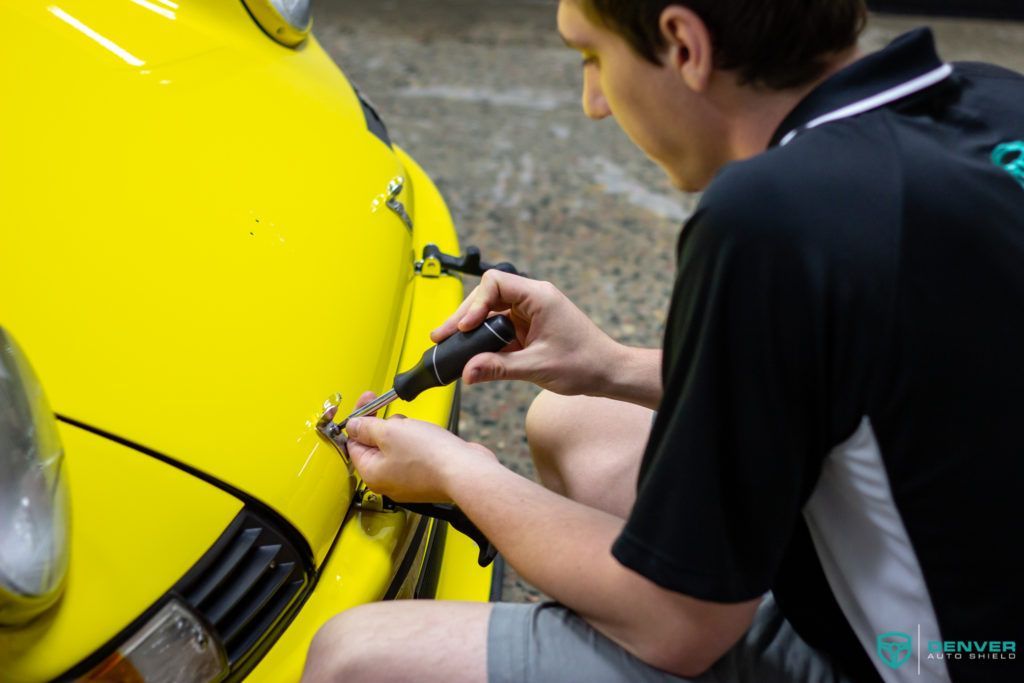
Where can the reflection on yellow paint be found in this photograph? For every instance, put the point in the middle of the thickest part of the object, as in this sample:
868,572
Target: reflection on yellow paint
102,40
162,11
382,526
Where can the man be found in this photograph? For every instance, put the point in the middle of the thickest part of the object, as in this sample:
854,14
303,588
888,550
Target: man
832,487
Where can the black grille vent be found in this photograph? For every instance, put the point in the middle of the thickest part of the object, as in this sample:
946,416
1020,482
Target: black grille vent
245,583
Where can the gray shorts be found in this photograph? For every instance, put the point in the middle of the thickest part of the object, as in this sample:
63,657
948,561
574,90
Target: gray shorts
547,642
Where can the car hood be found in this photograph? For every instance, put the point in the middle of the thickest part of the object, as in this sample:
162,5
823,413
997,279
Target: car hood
192,252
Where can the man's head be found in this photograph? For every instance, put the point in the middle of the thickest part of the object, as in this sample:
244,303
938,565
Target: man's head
687,80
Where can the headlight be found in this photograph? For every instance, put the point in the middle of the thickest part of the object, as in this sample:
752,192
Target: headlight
286,21
172,647
33,493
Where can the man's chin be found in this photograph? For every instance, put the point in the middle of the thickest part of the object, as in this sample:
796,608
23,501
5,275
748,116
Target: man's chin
687,184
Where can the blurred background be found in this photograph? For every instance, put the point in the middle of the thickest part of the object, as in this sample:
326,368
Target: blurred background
486,97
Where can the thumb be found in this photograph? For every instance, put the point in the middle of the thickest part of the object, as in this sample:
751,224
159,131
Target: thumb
366,430
488,367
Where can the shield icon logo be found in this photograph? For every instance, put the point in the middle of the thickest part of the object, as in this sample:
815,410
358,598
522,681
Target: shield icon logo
894,648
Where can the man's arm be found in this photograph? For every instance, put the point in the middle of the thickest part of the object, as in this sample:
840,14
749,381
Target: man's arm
562,547
634,375
557,346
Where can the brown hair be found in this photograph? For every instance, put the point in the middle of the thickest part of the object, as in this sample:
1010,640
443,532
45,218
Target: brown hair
777,43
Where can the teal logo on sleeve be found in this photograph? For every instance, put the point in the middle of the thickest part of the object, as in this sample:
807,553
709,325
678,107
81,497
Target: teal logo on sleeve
1009,156
894,648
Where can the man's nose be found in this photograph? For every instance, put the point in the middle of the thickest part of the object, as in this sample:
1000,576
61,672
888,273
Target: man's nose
595,106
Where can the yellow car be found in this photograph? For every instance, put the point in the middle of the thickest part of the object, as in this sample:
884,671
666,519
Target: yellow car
206,232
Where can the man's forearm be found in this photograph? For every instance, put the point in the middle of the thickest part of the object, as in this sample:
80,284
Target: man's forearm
564,548
553,542
633,375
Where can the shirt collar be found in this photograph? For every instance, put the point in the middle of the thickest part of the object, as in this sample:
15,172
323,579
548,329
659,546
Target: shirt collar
906,66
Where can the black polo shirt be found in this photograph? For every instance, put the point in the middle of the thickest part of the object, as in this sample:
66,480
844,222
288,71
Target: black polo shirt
843,417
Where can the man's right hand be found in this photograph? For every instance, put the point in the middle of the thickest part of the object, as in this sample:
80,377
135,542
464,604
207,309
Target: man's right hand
557,346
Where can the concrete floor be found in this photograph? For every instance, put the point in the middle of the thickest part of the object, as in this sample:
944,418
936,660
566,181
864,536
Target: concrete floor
486,97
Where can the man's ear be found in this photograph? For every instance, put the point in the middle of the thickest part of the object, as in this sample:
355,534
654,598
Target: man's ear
690,51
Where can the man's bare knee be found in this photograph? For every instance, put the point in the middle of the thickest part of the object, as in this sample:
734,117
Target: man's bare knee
408,640
546,423
333,654
541,419
588,448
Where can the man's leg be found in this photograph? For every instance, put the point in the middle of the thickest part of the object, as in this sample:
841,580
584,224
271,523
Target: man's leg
589,449
407,640
586,448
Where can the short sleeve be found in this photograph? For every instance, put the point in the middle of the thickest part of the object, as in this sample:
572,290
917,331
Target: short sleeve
741,431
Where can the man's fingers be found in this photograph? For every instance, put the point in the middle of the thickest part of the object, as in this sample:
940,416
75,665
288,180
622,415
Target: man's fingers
498,291
367,462
357,453
365,398
367,430
451,325
361,455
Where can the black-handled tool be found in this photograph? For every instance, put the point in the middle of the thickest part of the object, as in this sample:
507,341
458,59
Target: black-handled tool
440,365
443,364
446,512
458,519
470,263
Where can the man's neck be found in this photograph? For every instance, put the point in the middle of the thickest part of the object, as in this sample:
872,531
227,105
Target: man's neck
756,113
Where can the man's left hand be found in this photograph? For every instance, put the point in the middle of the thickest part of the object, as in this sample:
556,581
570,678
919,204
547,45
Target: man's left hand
407,460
